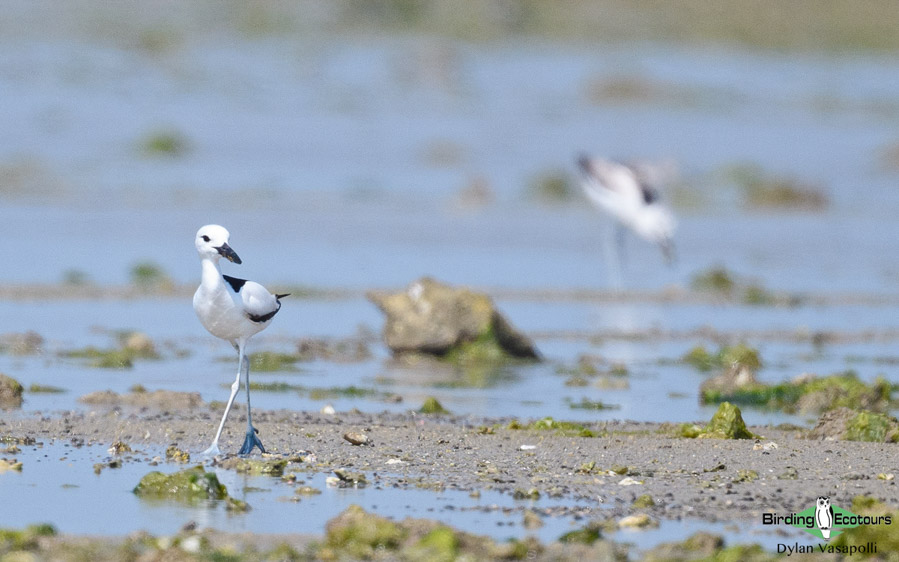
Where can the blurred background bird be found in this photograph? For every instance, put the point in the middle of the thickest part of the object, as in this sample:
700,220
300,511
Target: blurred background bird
625,193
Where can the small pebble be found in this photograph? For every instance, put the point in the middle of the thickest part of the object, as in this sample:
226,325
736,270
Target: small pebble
356,438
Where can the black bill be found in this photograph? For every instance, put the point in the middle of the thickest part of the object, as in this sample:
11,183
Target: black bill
226,252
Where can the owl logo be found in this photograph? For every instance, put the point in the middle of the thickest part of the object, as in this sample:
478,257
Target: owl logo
824,516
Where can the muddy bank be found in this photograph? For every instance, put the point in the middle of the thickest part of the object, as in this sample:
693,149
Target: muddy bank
706,479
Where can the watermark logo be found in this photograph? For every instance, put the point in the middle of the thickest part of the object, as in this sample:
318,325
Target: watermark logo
824,520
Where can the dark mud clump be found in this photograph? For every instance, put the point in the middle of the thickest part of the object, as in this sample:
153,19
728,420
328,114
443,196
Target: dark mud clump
456,324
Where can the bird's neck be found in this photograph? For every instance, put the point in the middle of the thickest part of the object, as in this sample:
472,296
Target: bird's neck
211,278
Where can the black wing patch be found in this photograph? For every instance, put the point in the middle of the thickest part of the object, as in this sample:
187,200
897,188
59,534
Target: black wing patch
650,195
235,283
266,317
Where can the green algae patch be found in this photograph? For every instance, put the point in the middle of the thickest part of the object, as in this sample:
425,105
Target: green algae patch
274,387
714,280
564,428
587,535
351,391
164,143
727,356
132,346
138,343
44,389
148,276
356,534
432,406
532,494
173,453
587,404
854,425
273,362
12,540
189,486
808,394
872,426
727,423
553,187
255,467
485,348
644,501
439,545
746,475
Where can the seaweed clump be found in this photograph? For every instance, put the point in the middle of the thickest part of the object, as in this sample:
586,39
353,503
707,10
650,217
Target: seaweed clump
806,393
726,356
189,486
853,425
565,428
727,423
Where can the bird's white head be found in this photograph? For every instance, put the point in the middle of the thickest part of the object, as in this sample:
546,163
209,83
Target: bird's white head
212,243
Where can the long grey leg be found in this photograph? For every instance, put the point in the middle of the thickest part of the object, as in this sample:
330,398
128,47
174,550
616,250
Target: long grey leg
251,439
213,449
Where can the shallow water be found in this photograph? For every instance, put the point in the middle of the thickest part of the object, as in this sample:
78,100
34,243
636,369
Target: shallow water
62,475
656,387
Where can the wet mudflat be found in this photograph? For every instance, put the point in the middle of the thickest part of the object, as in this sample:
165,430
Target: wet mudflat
473,473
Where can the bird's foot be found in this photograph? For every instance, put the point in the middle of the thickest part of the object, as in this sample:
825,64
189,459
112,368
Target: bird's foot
250,442
212,452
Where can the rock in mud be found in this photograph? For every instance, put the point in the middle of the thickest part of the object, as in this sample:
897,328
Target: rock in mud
852,425
10,464
255,467
348,479
356,438
27,343
637,521
729,382
358,535
805,394
138,344
727,423
119,448
186,486
455,323
432,406
172,452
10,393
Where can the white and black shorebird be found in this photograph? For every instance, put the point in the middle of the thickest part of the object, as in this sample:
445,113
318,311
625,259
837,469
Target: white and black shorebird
618,190
232,309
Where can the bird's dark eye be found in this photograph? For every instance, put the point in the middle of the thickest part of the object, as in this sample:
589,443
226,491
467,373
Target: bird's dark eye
205,239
